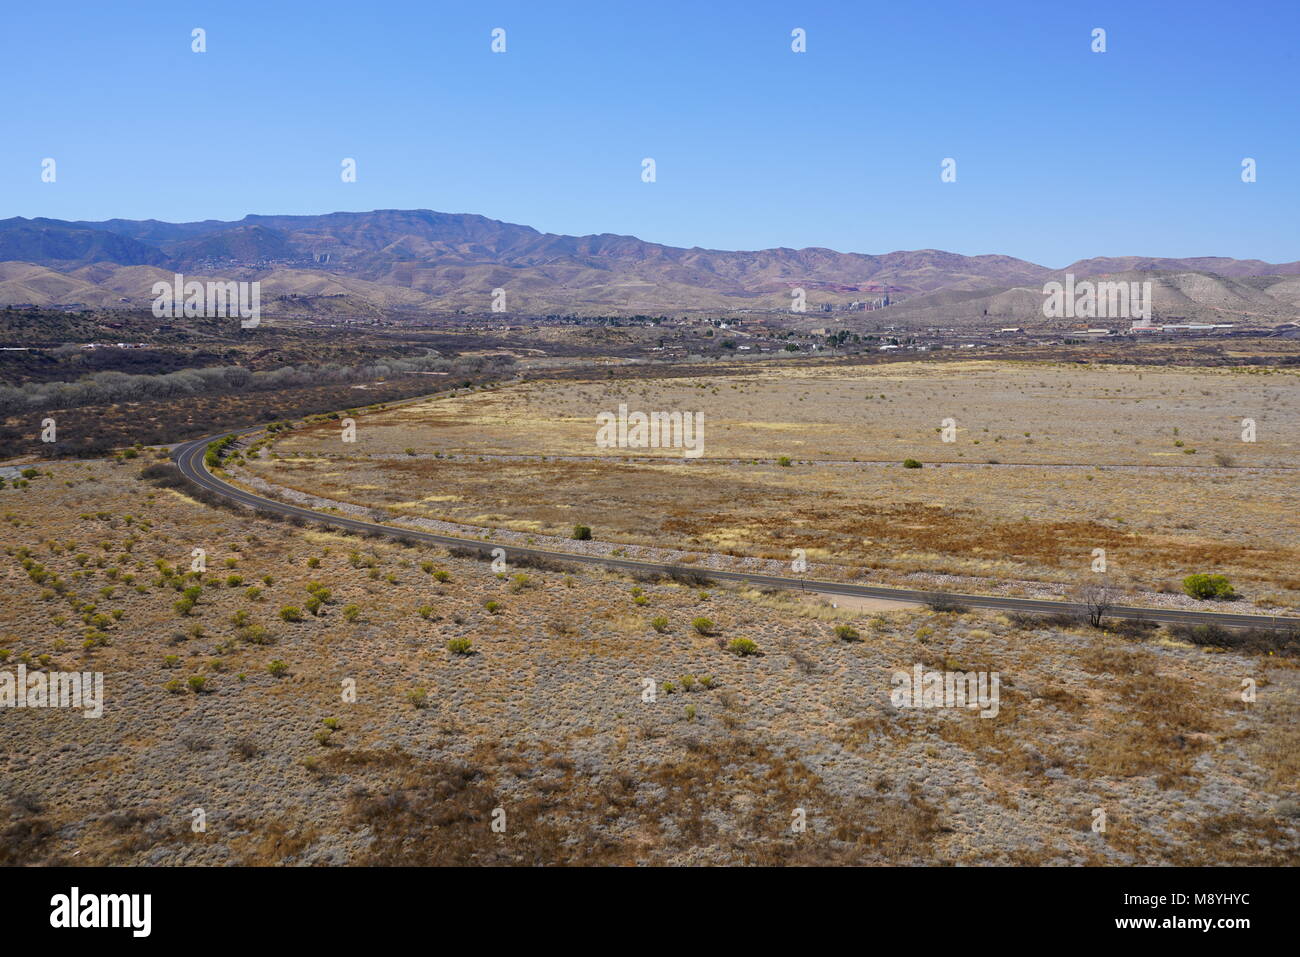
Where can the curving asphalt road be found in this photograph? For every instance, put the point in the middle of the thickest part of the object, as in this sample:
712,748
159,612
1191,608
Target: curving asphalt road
189,459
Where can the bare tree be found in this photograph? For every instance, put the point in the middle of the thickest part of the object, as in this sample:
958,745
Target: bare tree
1096,599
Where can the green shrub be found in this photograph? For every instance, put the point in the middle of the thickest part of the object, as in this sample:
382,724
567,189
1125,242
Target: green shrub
460,646
659,624
1208,586
846,633
277,667
784,461
742,647
197,683
291,613
351,612
582,533
911,464
703,625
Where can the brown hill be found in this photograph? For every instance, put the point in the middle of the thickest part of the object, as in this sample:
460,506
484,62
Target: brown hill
431,262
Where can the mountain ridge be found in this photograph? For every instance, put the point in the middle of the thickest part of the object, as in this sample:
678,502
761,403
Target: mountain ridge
429,261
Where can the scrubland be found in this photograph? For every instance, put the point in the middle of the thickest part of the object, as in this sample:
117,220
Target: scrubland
544,720
1049,462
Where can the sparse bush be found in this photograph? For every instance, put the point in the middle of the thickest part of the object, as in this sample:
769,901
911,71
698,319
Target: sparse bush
291,613
582,533
198,684
846,633
659,624
442,576
276,667
784,461
419,698
742,647
702,625
351,612
911,464
946,603
460,646
254,635
1095,599
492,606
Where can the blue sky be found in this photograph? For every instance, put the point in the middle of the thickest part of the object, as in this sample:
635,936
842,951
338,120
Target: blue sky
1061,153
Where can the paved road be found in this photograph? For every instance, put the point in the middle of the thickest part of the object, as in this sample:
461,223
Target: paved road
189,458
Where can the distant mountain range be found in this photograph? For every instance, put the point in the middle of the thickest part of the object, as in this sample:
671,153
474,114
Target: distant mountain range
424,262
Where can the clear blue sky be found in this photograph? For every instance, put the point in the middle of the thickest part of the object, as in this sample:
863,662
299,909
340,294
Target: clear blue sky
1061,153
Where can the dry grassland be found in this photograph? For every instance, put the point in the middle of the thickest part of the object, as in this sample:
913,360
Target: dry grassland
1050,462
546,719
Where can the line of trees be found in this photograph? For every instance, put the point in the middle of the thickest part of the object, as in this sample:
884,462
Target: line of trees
107,387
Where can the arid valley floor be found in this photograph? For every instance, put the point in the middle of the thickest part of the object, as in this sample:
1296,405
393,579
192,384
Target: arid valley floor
329,698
